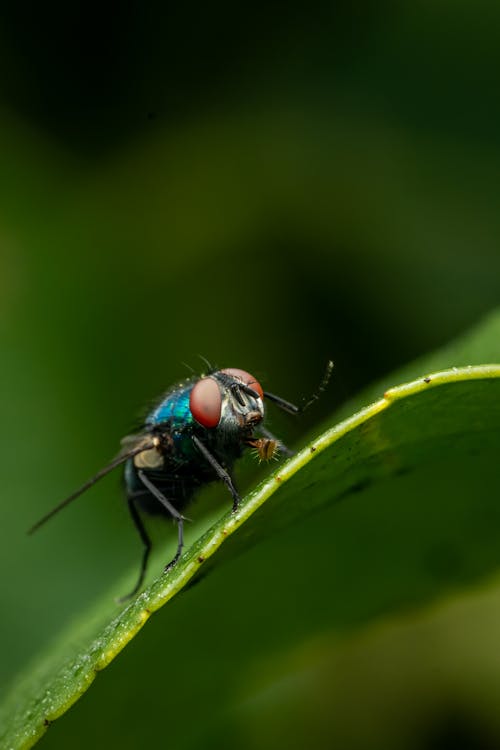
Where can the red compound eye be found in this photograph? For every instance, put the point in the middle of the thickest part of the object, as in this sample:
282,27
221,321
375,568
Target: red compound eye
205,402
246,378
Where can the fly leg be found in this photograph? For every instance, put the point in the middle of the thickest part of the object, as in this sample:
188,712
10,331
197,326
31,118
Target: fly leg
292,408
220,471
178,517
134,513
282,447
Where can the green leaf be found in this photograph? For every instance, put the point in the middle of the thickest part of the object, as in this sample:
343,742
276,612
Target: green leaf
435,418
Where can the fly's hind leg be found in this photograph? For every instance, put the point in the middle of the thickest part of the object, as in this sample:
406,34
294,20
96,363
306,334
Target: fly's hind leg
134,514
178,517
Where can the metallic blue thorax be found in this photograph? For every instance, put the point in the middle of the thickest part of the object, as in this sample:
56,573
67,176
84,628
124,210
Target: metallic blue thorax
173,415
173,409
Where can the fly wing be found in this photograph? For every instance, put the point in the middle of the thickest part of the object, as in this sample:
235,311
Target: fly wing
130,442
150,457
144,444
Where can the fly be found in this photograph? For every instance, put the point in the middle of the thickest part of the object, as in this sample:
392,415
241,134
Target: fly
191,437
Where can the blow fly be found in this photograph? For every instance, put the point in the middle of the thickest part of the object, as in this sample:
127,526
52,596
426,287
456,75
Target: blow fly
193,436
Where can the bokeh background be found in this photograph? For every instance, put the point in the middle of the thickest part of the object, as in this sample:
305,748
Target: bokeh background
267,186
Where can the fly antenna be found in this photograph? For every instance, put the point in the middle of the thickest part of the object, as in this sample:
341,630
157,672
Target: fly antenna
102,473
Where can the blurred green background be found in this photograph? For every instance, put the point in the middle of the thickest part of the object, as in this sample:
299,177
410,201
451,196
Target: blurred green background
266,186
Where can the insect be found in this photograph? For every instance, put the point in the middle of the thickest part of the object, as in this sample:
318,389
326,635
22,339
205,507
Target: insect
191,437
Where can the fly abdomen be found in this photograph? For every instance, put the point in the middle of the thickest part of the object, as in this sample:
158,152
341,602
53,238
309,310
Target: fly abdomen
178,489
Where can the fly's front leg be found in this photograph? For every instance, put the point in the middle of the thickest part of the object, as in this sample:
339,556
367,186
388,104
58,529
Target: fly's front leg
178,517
220,471
282,447
292,408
